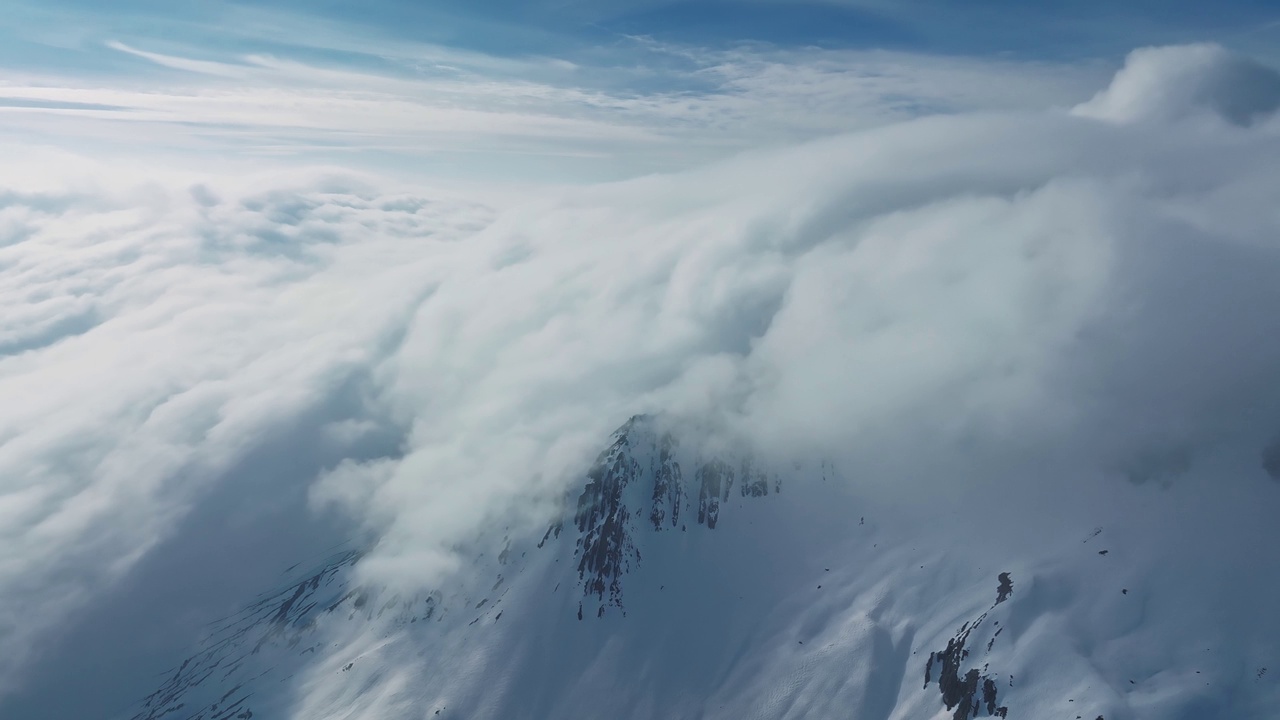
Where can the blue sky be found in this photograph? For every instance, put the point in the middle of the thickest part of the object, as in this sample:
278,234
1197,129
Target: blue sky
547,91
559,90
621,48
505,27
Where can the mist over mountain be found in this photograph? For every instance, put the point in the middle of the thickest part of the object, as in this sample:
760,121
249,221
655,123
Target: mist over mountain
951,392
682,582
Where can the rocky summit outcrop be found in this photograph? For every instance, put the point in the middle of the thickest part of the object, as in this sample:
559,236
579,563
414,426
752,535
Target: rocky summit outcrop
640,482
643,482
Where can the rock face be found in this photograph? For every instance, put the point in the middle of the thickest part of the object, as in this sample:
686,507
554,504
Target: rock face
640,481
285,617
604,519
960,687
1005,588
637,485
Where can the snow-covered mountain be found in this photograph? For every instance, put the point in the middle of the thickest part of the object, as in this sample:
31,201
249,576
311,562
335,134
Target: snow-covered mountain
686,583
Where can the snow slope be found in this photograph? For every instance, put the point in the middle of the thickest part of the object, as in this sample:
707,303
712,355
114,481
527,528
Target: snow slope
683,583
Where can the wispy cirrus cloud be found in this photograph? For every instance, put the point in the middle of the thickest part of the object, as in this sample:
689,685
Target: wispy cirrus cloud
647,106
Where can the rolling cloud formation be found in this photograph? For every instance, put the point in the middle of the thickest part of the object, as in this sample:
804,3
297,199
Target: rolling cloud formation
1088,288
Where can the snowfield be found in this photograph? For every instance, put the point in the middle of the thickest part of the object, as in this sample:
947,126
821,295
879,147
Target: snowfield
686,585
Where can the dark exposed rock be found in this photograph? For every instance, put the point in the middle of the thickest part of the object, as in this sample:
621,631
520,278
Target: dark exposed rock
283,617
642,479
617,495
991,643
958,690
989,695
1005,588
960,687
554,530
755,483
668,486
605,548
712,479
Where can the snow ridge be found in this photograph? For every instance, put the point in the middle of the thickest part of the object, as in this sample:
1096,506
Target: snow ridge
682,583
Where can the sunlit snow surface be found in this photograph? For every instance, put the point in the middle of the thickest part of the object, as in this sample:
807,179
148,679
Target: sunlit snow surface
802,602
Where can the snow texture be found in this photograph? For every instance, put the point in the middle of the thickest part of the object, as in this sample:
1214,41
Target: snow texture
792,606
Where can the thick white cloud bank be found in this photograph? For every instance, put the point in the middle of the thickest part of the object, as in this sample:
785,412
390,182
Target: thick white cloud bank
157,334
1090,292
1173,83
1036,283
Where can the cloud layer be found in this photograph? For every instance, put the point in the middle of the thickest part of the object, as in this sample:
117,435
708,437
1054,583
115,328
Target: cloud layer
157,337
1172,83
994,291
